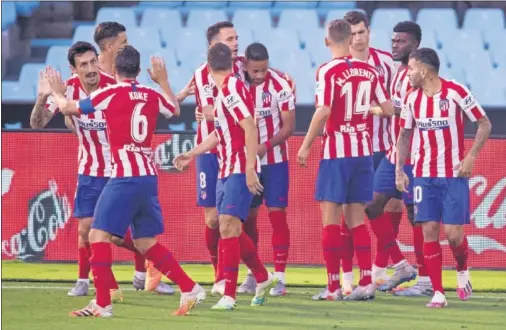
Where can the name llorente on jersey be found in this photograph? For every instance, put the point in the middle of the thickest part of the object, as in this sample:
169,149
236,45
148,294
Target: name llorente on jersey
353,129
138,96
355,72
431,124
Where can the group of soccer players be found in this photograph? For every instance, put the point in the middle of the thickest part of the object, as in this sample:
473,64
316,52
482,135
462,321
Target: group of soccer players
391,131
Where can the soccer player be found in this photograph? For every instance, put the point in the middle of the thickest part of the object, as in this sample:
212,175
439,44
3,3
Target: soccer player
379,126
434,110
275,116
130,197
235,136
345,89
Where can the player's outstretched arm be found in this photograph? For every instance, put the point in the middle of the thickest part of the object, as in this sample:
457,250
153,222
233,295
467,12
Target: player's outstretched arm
317,123
188,90
40,116
465,168
251,138
158,73
183,160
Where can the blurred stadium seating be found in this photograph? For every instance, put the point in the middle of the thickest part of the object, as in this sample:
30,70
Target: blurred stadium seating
472,45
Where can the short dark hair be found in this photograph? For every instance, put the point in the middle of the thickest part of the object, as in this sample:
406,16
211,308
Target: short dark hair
256,52
215,29
427,56
106,30
355,17
339,30
128,62
410,28
219,57
79,48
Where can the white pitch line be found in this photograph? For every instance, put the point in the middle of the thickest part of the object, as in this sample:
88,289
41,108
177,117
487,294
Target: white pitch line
26,287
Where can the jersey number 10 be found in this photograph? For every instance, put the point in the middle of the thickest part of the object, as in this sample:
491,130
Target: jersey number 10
358,104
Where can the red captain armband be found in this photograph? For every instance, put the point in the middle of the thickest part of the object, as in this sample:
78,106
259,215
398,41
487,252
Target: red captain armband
268,144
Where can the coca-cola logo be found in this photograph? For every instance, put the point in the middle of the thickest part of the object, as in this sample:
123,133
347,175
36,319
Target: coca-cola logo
484,215
48,213
176,145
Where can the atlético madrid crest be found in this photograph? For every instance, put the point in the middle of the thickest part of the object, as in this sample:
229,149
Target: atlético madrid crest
444,104
380,70
266,97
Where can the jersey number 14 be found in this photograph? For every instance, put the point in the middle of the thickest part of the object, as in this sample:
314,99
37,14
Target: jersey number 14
358,104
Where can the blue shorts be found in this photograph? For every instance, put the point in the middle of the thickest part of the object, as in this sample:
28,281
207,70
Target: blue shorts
88,191
275,179
130,201
442,199
384,181
378,156
233,196
345,180
207,176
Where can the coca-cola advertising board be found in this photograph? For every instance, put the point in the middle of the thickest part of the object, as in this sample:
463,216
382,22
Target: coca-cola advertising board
39,172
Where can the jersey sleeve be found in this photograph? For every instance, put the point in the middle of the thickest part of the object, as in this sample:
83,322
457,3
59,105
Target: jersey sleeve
406,118
324,86
203,88
380,93
237,100
468,104
99,100
284,96
167,108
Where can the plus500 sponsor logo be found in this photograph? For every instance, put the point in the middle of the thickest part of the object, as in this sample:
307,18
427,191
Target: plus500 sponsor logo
430,124
92,125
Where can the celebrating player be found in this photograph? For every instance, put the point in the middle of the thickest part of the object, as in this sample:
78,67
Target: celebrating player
384,64
235,135
131,120
275,116
344,92
434,111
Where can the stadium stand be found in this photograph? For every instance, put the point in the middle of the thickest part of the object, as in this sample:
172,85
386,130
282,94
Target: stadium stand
292,31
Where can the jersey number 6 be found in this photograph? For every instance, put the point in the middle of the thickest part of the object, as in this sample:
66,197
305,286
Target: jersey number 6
139,124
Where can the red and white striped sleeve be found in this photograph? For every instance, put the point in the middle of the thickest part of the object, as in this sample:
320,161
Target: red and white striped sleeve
238,101
325,85
380,93
406,119
99,100
203,87
467,102
167,108
284,93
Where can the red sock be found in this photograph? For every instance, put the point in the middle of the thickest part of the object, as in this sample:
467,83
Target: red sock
418,245
113,284
460,254
164,261
346,248
387,244
84,261
250,257
219,270
212,238
251,229
331,243
395,219
280,239
362,244
434,264
139,260
230,256
101,263
128,243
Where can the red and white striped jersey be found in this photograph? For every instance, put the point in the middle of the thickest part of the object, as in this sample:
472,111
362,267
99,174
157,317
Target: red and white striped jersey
94,155
438,121
233,104
205,93
384,64
271,98
348,87
398,91
132,111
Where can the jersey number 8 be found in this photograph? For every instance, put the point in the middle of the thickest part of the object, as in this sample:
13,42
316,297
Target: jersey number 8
139,124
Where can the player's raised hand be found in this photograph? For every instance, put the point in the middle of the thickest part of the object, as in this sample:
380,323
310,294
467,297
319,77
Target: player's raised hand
302,156
43,87
254,185
182,161
55,81
465,168
158,71
401,181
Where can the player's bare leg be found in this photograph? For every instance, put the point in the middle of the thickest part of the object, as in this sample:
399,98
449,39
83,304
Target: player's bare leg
165,262
354,214
331,244
83,282
387,245
423,286
459,246
212,236
434,262
249,283
280,247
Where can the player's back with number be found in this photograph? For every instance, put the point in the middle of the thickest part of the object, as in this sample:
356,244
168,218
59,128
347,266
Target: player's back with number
348,87
132,112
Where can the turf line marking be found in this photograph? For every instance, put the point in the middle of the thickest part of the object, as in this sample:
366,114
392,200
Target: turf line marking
26,287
